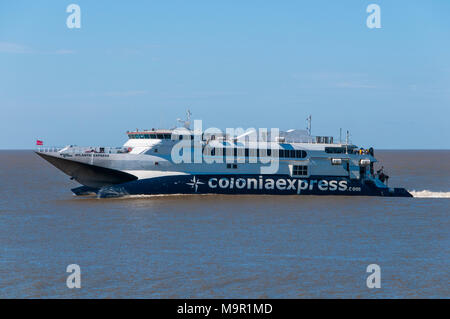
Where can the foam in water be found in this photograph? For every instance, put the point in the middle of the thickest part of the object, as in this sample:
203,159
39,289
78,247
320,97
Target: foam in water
430,194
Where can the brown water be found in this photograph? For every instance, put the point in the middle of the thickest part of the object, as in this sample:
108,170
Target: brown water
224,246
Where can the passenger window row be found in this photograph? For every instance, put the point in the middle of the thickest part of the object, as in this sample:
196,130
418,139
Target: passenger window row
245,152
150,136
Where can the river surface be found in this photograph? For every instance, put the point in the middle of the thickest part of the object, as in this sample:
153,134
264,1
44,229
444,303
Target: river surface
219,246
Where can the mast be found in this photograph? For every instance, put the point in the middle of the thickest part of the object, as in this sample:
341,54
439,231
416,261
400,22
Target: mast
186,123
346,143
308,121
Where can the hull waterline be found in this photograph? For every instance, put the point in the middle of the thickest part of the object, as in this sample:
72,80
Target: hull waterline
88,175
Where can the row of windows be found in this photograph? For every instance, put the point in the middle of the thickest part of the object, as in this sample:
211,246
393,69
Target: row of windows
256,152
160,136
300,170
150,136
335,150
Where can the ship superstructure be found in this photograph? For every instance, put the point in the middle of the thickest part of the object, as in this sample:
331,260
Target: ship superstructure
185,161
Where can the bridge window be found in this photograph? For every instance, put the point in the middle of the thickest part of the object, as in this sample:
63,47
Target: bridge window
300,154
334,150
300,170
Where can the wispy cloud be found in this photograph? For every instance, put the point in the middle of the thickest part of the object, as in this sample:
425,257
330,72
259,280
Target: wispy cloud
64,51
125,93
140,50
335,80
202,94
9,47
16,48
355,85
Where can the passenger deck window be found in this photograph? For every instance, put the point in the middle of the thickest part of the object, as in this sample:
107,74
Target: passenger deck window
300,170
334,150
300,154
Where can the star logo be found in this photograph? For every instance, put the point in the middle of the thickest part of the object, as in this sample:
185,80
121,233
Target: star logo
194,182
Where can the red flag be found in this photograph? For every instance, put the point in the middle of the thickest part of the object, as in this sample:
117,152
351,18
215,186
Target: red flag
39,142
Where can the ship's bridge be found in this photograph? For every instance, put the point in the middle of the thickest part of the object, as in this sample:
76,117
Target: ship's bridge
153,134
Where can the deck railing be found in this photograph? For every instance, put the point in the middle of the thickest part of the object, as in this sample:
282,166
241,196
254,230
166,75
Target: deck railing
84,149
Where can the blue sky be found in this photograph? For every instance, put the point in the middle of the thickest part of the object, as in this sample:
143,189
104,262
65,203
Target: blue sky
141,64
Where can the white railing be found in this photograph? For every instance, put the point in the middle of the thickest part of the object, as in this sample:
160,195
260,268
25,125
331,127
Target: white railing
85,149
48,149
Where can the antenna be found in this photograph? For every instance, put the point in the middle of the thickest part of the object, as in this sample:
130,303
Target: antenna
308,127
346,142
340,135
186,123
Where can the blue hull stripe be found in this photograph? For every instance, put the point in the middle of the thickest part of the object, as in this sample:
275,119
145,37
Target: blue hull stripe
250,184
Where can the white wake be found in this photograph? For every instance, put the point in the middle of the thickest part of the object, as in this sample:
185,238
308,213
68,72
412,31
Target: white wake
430,194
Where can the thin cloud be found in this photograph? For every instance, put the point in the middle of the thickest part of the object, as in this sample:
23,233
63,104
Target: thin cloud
125,93
350,80
9,47
354,85
16,48
64,51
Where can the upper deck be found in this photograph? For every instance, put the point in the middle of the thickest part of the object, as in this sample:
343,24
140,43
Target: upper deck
295,139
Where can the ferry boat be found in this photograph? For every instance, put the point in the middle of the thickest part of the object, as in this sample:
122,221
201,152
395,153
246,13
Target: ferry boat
186,161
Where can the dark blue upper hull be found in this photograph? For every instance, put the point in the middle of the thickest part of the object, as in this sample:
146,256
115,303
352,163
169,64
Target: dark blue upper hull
247,184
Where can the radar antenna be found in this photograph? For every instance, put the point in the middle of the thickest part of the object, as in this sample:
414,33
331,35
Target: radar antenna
186,123
308,121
